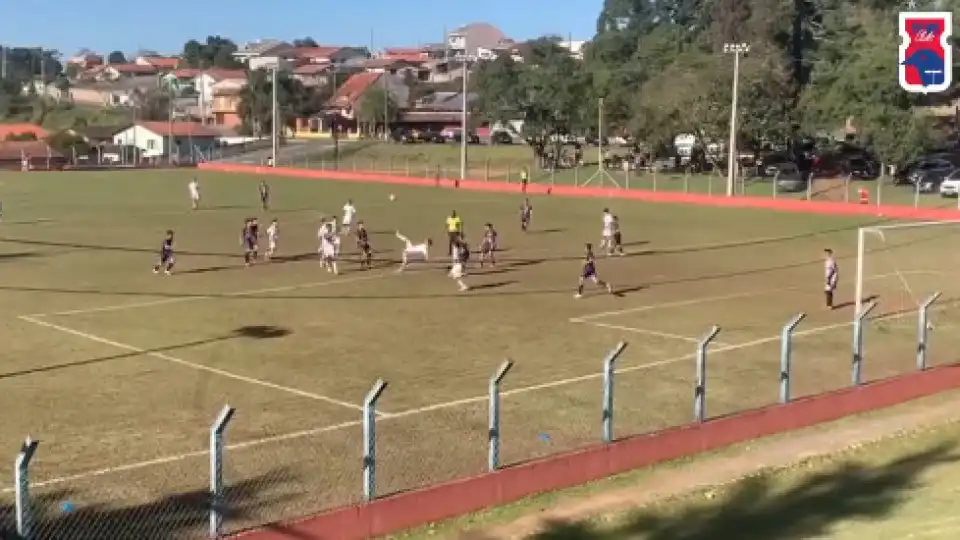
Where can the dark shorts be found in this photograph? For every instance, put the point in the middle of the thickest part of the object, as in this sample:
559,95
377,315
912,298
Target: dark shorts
166,256
616,238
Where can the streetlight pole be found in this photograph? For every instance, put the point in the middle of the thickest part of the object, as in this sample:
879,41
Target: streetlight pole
463,124
274,115
736,49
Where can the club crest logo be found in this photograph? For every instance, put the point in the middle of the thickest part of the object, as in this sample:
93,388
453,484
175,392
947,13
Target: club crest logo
926,57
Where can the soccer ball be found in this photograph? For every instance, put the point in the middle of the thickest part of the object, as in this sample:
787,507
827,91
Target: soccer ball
393,197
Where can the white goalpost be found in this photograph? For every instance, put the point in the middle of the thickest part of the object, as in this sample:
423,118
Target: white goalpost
904,264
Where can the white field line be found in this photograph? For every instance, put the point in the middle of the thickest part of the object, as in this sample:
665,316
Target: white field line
237,294
418,410
655,333
720,298
193,365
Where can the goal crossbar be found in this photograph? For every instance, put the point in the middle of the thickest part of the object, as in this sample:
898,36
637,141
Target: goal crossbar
878,229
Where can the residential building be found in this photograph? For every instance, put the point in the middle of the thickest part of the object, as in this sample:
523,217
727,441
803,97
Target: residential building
39,88
397,67
336,56
345,102
85,60
225,107
258,48
160,63
575,47
408,54
466,40
118,71
178,140
205,79
124,92
437,111
312,75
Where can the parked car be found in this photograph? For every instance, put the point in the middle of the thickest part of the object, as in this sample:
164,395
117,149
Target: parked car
862,168
430,137
770,164
472,138
789,179
950,186
403,136
942,164
929,182
501,137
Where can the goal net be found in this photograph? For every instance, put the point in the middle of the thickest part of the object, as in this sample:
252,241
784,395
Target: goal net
901,266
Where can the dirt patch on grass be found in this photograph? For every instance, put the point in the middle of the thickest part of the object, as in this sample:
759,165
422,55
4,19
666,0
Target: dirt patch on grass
712,472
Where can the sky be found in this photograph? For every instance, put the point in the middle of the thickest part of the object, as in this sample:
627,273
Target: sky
106,25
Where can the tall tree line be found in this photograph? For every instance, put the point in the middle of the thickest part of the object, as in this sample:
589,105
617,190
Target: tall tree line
814,67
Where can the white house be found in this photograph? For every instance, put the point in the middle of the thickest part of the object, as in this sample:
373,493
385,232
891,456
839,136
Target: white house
203,83
157,139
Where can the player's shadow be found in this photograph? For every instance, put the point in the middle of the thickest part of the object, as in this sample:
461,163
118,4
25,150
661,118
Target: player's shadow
20,255
851,303
494,285
118,356
262,332
173,515
555,230
769,507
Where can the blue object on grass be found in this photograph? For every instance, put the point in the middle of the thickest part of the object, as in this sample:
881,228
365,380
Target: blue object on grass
67,507
545,437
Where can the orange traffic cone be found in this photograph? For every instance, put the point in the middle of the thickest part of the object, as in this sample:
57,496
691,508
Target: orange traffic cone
864,196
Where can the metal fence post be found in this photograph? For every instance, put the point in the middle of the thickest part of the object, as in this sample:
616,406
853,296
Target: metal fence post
370,440
217,449
21,475
608,370
923,328
700,392
858,342
786,356
493,433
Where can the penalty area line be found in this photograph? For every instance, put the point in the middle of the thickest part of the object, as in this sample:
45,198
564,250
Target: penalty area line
193,365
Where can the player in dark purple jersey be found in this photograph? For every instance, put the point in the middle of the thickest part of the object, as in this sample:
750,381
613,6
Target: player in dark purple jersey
526,214
166,260
249,239
589,272
488,245
363,245
264,195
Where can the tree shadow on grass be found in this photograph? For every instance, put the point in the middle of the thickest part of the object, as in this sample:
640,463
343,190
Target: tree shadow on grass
757,508
178,515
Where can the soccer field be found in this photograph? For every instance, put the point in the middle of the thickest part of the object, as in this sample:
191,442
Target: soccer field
119,372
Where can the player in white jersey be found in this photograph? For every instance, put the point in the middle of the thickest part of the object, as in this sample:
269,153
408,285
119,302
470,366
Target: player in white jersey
194,188
606,241
410,250
329,249
461,252
831,275
273,233
349,212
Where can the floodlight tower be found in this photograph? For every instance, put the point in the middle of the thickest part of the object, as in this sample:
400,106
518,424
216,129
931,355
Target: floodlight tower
736,49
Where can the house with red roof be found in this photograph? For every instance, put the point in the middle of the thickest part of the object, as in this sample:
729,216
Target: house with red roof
176,141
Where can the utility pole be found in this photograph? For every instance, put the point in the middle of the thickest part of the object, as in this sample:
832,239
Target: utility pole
275,116
3,62
736,49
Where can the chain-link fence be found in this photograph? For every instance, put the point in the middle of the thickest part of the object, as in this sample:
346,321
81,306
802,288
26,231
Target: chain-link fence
884,189
236,485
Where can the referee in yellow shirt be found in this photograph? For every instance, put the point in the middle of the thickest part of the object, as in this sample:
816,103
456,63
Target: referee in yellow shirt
454,230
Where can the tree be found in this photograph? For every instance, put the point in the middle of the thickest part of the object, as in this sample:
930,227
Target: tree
305,42
215,52
116,57
377,106
256,101
851,80
28,63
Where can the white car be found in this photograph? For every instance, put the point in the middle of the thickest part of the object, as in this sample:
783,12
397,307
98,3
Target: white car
950,187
